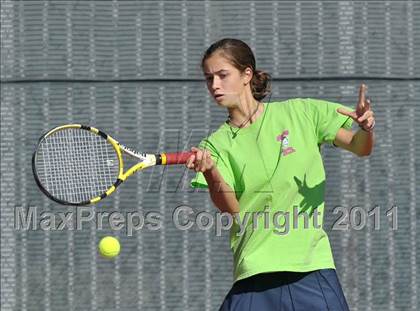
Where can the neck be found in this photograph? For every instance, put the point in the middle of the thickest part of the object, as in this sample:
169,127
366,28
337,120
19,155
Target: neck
245,113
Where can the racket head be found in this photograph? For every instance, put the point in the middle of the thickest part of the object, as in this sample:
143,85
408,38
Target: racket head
75,164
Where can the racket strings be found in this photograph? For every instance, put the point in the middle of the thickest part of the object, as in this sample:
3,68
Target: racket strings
76,165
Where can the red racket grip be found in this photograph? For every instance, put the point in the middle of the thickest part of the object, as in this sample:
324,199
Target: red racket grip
176,157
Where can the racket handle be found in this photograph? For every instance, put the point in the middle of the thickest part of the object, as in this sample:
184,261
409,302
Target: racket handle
176,157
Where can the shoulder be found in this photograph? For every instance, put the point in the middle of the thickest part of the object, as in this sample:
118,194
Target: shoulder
295,102
292,105
309,105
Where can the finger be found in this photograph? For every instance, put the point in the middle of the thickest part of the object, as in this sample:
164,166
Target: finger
365,116
362,96
190,161
368,103
206,157
193,159
207,154
348,113
198,155
362,109
198,159
370,122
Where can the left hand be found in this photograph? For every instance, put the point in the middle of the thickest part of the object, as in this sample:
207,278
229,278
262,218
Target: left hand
363,114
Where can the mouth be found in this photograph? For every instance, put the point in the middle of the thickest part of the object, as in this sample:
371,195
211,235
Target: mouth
218,96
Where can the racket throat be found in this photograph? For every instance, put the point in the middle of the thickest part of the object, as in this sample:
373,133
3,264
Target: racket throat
141,156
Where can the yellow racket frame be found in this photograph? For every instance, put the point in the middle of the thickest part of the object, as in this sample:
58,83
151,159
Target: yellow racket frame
147,160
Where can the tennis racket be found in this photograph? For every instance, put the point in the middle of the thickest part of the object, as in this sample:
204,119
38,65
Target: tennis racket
76,164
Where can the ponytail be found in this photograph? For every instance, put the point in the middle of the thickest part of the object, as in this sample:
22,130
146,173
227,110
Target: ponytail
260,84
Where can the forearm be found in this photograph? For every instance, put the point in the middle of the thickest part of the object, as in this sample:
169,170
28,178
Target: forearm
362,142
221,193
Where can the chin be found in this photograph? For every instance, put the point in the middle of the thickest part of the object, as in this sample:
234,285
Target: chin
224,104
221,102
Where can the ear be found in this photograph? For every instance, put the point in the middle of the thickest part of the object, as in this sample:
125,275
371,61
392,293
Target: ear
247,75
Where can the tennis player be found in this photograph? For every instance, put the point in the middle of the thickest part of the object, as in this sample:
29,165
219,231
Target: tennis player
265,160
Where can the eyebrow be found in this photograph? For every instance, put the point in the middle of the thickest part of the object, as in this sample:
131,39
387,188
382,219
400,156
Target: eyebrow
208,73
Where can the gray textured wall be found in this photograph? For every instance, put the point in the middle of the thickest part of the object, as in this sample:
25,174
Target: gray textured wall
132,69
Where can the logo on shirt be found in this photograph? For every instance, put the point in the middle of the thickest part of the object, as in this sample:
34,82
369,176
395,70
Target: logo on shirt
284,139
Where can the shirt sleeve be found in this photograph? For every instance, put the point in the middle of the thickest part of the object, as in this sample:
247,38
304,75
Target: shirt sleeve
221,163
327,121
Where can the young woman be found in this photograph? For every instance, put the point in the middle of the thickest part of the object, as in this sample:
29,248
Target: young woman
264,163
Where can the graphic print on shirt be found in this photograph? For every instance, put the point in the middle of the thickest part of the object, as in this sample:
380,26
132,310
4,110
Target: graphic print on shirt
284,139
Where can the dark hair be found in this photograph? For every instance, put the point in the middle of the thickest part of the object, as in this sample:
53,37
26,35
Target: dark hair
240,55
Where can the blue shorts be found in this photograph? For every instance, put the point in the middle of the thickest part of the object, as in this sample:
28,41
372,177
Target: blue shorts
318,290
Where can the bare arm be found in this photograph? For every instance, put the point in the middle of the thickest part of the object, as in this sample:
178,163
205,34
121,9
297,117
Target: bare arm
360,143
221,193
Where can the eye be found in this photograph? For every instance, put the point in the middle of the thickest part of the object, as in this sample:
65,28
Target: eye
209,78
223,75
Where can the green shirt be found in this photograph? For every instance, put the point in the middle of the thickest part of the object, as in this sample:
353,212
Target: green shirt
275,167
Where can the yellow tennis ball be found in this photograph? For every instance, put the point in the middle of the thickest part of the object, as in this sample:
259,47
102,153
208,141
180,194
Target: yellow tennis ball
109,247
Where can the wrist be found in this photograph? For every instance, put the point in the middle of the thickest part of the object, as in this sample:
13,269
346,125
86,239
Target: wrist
210,172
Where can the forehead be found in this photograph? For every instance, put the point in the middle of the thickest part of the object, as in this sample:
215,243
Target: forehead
217,62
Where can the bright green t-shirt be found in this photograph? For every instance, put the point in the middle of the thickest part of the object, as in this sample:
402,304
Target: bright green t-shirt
275,167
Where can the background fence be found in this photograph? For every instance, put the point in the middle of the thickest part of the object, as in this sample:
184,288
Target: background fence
131,68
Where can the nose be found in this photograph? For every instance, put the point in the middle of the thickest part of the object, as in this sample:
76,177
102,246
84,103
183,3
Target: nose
215,84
